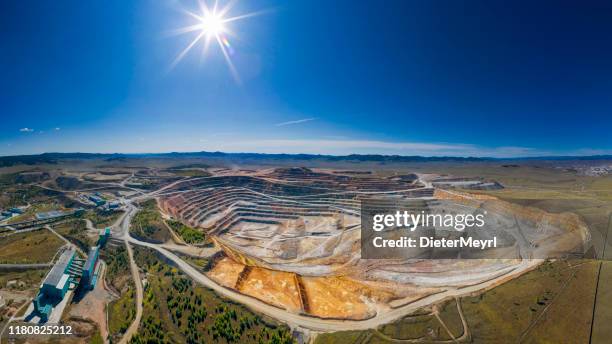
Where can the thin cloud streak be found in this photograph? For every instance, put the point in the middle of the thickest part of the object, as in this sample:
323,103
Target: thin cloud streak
298,121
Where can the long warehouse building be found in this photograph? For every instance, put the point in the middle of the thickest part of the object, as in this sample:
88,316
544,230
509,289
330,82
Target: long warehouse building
90,269
58,279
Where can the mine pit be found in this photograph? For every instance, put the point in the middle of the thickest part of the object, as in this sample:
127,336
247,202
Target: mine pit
291,238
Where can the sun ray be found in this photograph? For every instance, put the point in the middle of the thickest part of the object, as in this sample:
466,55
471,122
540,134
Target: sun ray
228,32
244,16
186,50
211,24
229,62
223,11
205,48
207,43
184,30
195,16
203,7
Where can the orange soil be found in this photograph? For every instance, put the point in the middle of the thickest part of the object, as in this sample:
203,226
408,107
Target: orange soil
274,287
337,297
226,272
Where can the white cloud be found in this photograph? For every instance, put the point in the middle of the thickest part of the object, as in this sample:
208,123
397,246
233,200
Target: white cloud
26,130
57,129
298,121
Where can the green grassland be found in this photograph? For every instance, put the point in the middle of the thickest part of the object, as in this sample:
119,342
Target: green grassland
344,337
97,338
27,284
202,264
102,218
591,198
14,195
549,304
148,224
176,310
30,247
417,326
188,234
117,266
121,312
532,181
423,325
75,231
30,278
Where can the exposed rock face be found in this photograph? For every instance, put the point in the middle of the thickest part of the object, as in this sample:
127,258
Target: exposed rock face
292,239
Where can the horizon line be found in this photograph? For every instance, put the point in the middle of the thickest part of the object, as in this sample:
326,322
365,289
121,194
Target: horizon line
542,157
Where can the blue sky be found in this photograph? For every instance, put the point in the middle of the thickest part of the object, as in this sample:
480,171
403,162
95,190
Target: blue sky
477,78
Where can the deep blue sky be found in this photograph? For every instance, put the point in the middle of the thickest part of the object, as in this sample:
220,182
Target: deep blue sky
495,78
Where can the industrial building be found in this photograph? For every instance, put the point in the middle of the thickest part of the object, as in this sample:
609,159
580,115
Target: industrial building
43,309
113,205
62,276
90,269
16,210
97,200
49,214
104,236
10,213
66,274
57,281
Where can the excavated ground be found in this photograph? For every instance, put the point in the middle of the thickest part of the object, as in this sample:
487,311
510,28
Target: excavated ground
291,238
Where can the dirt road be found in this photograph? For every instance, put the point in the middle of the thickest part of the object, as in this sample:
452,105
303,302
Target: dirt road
139,296
326,325
299,320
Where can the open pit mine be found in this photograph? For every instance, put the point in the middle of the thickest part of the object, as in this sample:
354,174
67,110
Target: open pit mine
291,238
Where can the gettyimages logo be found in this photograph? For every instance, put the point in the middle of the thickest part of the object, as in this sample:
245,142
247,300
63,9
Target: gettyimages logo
412,221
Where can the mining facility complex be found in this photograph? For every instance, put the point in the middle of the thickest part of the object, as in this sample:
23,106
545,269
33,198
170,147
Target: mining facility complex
69,273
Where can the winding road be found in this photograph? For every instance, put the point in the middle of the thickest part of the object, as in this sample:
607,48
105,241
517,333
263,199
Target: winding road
139,296
120,230
304,321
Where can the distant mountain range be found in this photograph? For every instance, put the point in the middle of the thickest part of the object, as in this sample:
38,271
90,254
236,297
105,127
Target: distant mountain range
53,158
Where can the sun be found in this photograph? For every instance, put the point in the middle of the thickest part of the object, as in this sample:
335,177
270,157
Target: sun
211,25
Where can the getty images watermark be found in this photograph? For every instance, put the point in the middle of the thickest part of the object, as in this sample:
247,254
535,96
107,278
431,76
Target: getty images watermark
412,221
465,229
